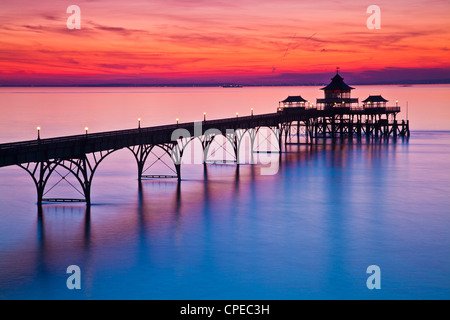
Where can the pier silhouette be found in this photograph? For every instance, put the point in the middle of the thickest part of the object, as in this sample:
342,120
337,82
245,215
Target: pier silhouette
297,121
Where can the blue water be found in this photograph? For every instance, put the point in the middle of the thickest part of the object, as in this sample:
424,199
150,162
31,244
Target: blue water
308,232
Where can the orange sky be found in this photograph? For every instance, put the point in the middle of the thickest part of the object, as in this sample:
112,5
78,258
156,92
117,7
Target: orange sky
214,41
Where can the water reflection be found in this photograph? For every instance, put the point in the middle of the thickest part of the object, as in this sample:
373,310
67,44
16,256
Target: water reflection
336,165
320,218
41,269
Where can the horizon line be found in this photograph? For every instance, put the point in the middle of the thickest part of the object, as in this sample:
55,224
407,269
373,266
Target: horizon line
125,85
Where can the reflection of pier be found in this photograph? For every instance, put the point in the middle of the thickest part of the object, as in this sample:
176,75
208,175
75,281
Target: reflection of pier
160,212
336,116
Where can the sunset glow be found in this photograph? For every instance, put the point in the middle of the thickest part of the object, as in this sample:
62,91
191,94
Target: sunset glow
150,42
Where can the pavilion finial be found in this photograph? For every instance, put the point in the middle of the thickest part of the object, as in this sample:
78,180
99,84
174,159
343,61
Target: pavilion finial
337,70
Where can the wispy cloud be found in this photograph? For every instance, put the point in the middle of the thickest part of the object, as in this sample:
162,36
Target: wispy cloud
188,37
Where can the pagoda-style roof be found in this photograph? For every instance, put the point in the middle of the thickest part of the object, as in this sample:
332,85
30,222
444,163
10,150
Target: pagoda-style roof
294,99
337,83
373,99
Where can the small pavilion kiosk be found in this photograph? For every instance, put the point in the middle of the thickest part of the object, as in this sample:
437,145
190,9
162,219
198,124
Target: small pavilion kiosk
337,94
375,105
375,102
292,103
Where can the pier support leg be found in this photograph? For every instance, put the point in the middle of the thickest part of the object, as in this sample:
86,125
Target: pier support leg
40,184
252,134
141,153
316,129
333,127
87,181
358,128
287,130
178,170
235,139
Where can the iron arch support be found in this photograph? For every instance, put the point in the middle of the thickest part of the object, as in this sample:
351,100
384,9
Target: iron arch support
82,169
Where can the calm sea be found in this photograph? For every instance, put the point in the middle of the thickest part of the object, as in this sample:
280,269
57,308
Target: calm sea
310,231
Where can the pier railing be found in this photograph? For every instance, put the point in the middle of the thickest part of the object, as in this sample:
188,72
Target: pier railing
390,109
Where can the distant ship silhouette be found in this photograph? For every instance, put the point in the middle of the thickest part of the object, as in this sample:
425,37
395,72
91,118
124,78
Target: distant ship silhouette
232,86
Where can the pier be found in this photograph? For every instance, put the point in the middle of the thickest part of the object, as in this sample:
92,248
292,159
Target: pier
296,121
